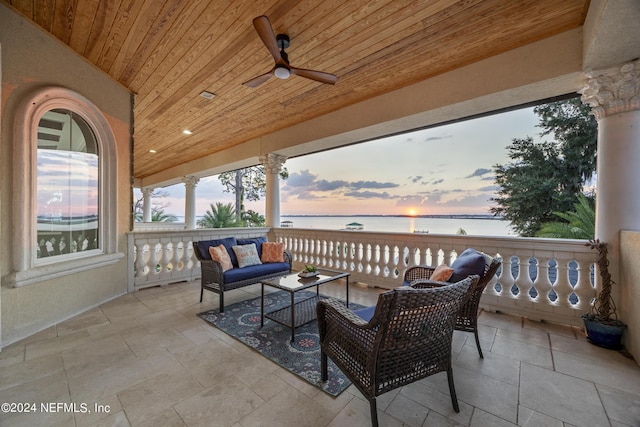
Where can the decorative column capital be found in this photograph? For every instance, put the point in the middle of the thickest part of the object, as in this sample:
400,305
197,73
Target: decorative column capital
272,162
190,182
613,90
147,191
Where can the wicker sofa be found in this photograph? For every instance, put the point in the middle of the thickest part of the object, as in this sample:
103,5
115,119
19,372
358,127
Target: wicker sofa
215,279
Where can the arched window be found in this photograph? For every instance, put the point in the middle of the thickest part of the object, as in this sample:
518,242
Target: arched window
67,185
64,187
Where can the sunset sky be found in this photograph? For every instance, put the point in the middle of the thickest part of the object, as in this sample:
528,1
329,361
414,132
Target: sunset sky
444,170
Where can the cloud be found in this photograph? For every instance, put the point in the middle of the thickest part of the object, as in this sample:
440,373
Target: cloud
415,179
372,184
410,201
324,185
479,172
369,195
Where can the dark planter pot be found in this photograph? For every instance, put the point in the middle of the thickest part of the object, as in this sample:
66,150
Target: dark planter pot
604,334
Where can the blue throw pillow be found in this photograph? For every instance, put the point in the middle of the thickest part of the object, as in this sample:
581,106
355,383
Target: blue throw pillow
468,262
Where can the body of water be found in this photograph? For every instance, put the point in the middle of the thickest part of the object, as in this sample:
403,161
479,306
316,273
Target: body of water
438,225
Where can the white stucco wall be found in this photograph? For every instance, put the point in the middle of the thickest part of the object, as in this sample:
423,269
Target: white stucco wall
630,289
31,59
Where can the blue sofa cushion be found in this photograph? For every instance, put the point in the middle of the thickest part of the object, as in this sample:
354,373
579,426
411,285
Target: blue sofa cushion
468,262
228,242
365,313
244,273
258,241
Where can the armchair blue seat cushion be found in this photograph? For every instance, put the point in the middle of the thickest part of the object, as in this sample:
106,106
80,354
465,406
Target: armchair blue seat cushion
365,313
468,263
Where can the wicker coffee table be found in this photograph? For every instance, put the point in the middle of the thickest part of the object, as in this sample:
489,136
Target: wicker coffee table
301,311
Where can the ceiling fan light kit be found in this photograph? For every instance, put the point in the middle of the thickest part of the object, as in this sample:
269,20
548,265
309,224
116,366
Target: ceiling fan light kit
276,45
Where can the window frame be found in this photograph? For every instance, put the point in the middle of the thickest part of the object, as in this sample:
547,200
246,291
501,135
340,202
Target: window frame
27,267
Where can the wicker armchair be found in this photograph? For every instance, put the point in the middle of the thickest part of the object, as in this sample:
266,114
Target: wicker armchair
467,320
407,339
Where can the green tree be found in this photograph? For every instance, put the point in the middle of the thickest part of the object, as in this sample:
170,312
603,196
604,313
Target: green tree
578,224
247,184
543,178
158,206
220,216
253,219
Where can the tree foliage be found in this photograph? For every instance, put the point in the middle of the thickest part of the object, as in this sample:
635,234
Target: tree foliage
577,224
247,184
546,177
219,216
158,206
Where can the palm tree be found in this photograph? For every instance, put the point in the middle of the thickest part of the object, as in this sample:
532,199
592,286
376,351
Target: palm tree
253,219
580,224
157,215
220,216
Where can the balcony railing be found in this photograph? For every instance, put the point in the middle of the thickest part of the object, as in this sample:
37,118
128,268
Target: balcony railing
543,279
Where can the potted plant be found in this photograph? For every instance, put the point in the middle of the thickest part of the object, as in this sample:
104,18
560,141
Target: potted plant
602,325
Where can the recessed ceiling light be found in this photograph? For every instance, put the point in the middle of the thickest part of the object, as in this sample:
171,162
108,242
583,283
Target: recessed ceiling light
187,132
207,95
152,151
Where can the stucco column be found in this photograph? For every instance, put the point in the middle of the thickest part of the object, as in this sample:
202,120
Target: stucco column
190,183
272,166
614,97
146,204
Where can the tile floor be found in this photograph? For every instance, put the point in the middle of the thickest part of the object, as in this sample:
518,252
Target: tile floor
145,359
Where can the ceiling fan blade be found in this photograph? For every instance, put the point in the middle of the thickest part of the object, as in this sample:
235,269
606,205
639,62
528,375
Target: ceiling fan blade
257,81
265,31
318,76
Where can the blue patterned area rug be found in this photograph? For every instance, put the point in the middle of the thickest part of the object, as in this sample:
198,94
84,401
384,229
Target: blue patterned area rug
302,357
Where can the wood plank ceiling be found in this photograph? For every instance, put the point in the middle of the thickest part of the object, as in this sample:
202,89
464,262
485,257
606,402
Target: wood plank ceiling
168,51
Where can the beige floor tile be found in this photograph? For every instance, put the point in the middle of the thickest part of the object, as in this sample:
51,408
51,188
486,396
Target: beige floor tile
291,408
30,370
438,400
485,419
501,368
523,351
95,356
530,418
152,361
91,318
12,355
434,419
37,391
621,406
561,396
144,401
407,410
168,417
165,319
144,344
119,377
225,403
622,374
480,391
105,412
55,345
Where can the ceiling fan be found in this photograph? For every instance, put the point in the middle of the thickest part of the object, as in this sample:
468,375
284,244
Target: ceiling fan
276,46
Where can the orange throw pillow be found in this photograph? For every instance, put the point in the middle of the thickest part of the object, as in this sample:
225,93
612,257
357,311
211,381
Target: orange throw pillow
442,273
272,252
220,254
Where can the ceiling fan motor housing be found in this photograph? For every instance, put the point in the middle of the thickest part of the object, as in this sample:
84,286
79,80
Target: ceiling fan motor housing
283,41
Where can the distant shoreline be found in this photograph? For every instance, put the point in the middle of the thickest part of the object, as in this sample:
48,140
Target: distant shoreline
452,216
